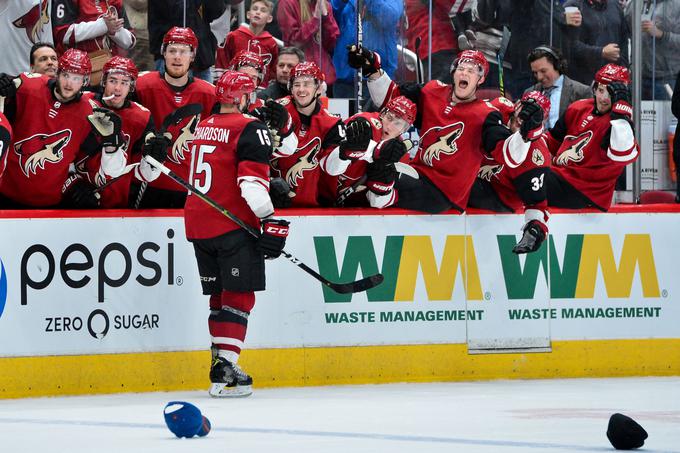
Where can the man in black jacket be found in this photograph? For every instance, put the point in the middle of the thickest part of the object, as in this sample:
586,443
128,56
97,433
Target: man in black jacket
194,14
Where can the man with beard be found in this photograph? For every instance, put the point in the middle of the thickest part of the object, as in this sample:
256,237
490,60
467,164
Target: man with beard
54,126
162,95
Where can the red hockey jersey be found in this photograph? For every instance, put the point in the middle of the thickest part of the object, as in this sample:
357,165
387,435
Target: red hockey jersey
136,123
93,34
582,153
453,139
317,136
228,147
154,93
243,38
517,187
48,135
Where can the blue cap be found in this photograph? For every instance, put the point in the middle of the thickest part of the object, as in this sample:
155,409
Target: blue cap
185,420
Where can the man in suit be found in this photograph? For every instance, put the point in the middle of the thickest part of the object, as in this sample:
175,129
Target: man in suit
548,67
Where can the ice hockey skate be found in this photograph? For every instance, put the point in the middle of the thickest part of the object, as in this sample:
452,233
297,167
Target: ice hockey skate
229,380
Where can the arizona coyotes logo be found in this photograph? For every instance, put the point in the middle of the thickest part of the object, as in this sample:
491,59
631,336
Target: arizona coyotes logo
33,21
537,158
488,172
306,162
445,142
35,151
573,148
183,140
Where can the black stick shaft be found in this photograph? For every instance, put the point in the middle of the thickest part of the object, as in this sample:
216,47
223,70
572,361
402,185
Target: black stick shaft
342,288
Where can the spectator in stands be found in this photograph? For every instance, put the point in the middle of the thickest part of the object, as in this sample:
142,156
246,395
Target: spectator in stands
99,28
443,47
379,20
491,19
137,14
197,15
310,26
252,37
288,58
44,59
22,24
675,108
548,67
602,38
592,143
661,49
535,15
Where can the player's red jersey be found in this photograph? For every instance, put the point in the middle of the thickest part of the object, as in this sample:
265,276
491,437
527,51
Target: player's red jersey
48,135
162,99
228,147
136,123
243,38
518,187
68,12
5,141
317,136
451,140
582,153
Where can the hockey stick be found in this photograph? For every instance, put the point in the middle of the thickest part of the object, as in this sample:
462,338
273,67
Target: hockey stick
360,43
174,118
128,169
505,40
419,69
341,288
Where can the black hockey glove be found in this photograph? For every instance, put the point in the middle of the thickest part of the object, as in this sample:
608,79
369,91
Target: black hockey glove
380,177
391,151
156,146
108,126
273,237
359,57
79,194
358,134
533,237
621,104
532,120
279,192
7,86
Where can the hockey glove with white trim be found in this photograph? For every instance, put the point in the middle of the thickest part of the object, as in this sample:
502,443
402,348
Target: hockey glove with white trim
156,145
273,237
79,194
359,57
358,133
108,126
620,97
531,116
380,177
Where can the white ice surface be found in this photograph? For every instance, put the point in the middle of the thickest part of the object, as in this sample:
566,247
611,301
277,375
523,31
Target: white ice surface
498,416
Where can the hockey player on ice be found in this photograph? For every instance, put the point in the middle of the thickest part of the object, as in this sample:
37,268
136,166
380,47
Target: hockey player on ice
231,165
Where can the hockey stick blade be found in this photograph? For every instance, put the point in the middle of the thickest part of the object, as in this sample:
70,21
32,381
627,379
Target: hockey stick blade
179,114
341,288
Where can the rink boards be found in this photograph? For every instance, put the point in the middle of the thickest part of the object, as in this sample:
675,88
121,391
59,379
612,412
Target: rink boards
113,302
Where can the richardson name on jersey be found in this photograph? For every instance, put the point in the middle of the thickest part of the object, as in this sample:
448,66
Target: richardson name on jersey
213,134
